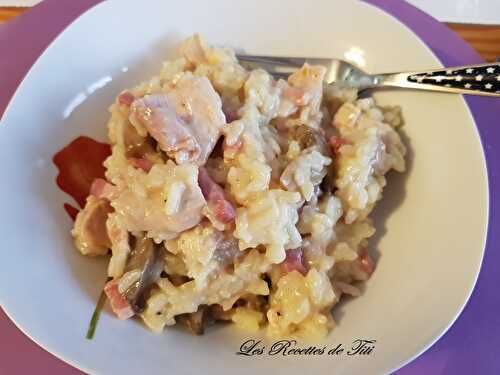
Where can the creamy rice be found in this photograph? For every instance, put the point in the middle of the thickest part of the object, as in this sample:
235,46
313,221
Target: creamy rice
232,196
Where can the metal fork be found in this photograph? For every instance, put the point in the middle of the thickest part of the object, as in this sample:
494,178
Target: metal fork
483,79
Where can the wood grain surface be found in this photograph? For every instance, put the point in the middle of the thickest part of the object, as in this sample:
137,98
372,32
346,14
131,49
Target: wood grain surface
7,13
485,39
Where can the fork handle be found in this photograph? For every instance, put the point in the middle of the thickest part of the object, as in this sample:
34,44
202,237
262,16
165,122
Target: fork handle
481,79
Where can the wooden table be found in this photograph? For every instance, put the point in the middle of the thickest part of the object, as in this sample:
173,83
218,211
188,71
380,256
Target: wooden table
485,39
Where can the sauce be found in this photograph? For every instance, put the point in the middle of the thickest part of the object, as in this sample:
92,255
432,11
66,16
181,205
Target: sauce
79,163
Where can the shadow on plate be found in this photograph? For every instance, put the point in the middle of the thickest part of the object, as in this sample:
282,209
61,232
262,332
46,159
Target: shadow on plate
393,196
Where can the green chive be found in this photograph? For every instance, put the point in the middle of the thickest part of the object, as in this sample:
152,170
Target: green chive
97,312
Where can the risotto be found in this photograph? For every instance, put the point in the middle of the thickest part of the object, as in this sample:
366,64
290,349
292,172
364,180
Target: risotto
232,196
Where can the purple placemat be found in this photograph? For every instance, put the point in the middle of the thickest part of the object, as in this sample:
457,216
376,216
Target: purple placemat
468,348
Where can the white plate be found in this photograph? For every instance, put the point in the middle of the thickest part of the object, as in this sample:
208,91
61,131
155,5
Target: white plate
432,221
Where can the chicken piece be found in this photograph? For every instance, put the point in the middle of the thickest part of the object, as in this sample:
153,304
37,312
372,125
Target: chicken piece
89,232
186,121
171,203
